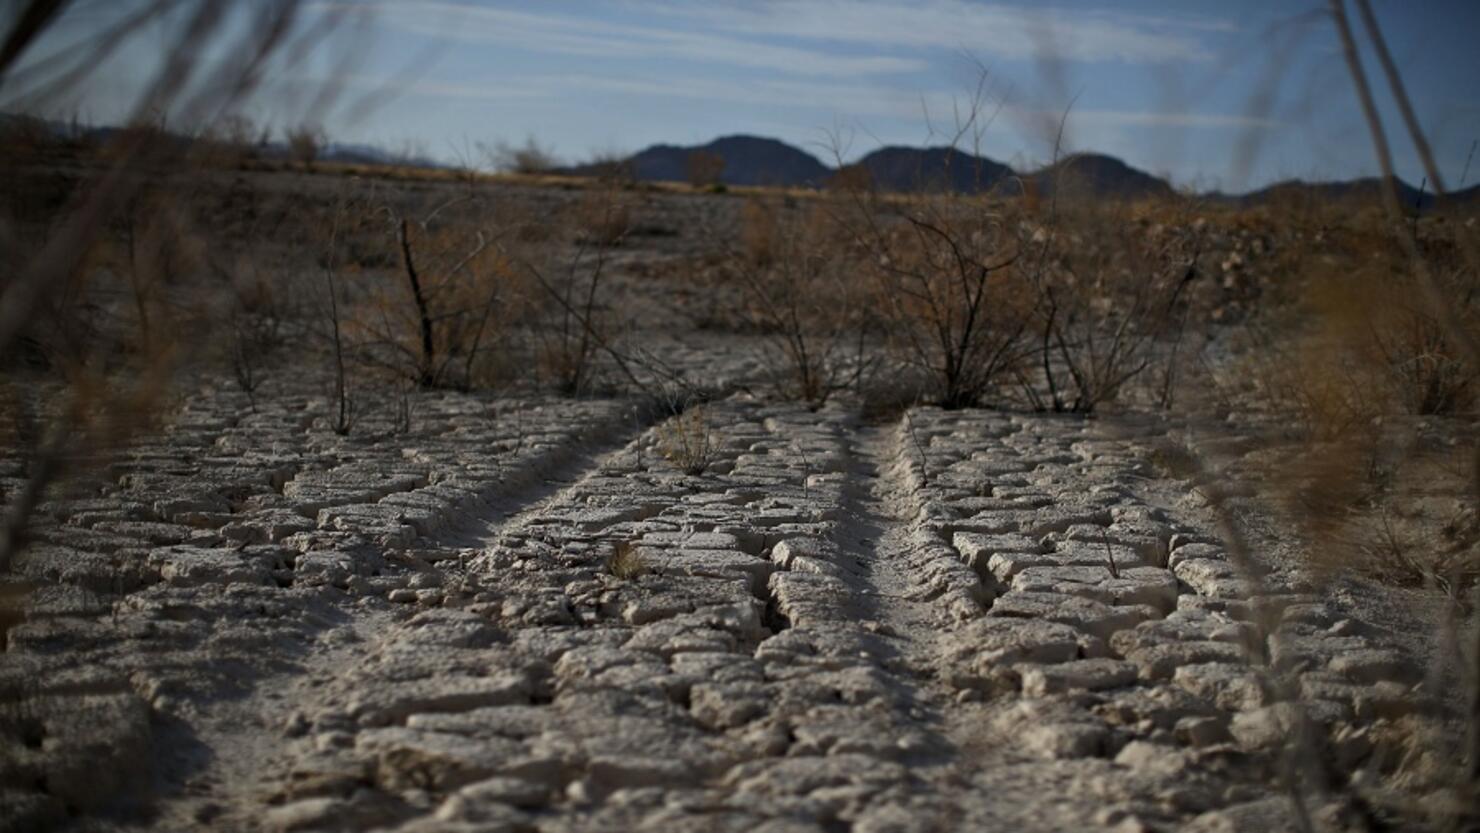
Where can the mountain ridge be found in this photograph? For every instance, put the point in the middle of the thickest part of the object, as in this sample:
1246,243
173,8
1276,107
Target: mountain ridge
744,159
898,168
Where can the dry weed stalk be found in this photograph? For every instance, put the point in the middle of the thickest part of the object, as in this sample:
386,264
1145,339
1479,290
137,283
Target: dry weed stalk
1454,327
1394,341
626,561
685,440
48,303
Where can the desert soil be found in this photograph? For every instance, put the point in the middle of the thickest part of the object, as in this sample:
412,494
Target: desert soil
522,615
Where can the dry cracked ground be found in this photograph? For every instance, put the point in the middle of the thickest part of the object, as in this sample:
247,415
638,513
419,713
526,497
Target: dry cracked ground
534,614
523,616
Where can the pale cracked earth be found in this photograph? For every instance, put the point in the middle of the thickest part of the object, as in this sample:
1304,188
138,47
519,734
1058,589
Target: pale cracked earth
951,621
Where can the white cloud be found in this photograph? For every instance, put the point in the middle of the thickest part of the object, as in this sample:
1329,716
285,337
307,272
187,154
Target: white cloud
591,37
822,99
1134,118
445,89
996,30
774,34
827,61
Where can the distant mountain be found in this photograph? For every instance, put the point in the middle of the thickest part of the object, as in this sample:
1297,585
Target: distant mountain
756,160
1466,196
1367,189
1096,175
897,168
748,160
751,160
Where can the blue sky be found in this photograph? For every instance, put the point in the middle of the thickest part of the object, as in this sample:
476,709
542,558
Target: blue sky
1214,94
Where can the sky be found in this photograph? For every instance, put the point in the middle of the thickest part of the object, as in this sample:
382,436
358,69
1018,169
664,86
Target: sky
1229,95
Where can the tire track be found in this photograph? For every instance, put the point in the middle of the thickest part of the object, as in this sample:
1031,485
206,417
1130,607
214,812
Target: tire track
231,761
543,484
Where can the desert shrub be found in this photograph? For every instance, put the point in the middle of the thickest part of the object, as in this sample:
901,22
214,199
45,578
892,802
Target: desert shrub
528,158
260,309
157,255
613,168
569,317
438,323
799,275
1362,343
851,178
1110,302
704,169
306,143
566,352
1417,361
68,424
144,131
104,293
1384,477
761,233
602,217
231,142
121,313
947,286
132,296
1365,383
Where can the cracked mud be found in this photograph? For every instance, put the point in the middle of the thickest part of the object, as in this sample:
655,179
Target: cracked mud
524,617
